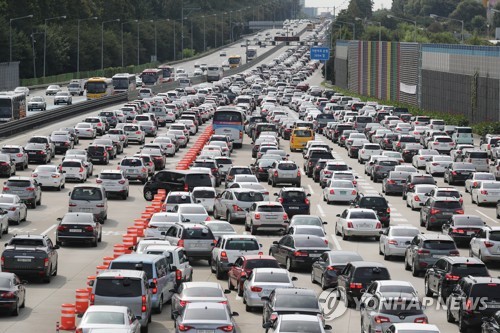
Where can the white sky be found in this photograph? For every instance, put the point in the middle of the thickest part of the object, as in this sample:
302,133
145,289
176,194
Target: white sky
341,4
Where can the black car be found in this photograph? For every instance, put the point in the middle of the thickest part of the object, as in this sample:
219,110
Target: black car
458,172
386,142
98,154
166,180
290,300
472,299
462,228
410,151
491,324
438,211
320,165
328,267
78,228
444,275
339,129
261,170
37,153
313,158
298,250
417,179
357,276
294,200
378,204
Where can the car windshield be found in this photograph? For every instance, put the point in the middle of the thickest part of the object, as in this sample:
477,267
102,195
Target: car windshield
296,326
362,215
102,317
272,277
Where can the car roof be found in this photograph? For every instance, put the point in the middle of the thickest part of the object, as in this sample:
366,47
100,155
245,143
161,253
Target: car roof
137,257
367,264
299,317
295,291
205,284
463,260
122,273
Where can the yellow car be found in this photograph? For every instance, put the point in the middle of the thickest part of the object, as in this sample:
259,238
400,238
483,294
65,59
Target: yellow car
299,138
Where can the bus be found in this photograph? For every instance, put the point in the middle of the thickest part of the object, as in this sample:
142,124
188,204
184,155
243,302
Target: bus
214,73
234,61
124,82
251,53
99,87
12,106
168,72
152,76
229,121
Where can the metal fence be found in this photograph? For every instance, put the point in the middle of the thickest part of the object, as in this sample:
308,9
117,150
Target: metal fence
9,75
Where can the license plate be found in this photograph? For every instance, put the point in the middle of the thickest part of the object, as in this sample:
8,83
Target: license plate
365,225
31,153
132,171
24,259
343,192
198,245
314,255
75,230
293,207
205,331
447,214
438,256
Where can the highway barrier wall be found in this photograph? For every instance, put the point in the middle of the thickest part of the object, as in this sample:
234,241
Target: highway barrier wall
456,79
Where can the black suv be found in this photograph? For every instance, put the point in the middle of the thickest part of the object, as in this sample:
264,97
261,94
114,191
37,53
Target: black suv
417,179
166,180
438,211
378,204
98,153
472,299
313,158
458,172
357,276
444,275
294,200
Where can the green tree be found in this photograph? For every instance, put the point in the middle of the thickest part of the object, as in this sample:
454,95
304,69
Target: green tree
467,10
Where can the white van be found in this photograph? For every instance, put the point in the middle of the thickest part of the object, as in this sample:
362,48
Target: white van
214,73
463,135
184,82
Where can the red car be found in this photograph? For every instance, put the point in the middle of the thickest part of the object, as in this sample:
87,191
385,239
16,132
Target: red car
244,265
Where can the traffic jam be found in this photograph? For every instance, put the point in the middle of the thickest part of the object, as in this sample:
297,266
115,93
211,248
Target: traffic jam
263,192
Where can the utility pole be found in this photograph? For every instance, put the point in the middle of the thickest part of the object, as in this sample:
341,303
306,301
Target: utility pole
190,10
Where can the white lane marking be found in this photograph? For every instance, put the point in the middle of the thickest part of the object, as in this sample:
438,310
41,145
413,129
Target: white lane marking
45,232
400,220
310,189
336,242
321,211
486,216
396,214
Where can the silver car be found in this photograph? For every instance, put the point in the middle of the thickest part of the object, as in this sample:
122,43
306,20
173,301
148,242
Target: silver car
15,208
133,168
17,154
196,292
160,223
284,172
266,215
206,317
27,188
63,97
148,127
297,322
205,196
232,203
134,133
37,103
175,198
261,282
486,244
114,182
89,199
85,130
395,239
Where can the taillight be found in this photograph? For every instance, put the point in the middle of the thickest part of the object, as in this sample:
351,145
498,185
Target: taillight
393,242
484,192
92,299
257,216
332,191
227,328
178,275
31,189
381,319
183,303
285,216
61,228
300,254
46,262
459,211
420,320
423,251
143,307
155,289
434,211
353,285
488,244
81,169
416,198
138,132
184,328
121,181
451,277
468,304
34,175
180,243
98,181
256,289
306,201
350,225
89,228
378,226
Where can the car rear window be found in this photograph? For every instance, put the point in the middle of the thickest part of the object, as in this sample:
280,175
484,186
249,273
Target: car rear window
398,307
206,313
310,231
388,163
26,242
272,277
71,164
488,290
203,194
423,180
296,326
10,150
89,194
405,232
293,194
287,166
452,204
261,263
371,273
197,233
297,301
198,179
373,202
495,236
242,244
337,167
18,183
192,210
270,209
98,149
118,287
439,245
250,196
134,266
302,133
362,215
469,269
178,199
113,176
240,171
449,194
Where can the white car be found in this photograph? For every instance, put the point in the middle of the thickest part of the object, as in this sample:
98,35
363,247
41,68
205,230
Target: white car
17,210
442,144
231,247
486,244
109,318
367,151
438,164
114,182
422,157
160,223
476,178
52,89
166,144
134,133
49,176
412,327
193,213
205,196
395,239
416,196
24,90
358,222
85,130
487,192
339,190
74,170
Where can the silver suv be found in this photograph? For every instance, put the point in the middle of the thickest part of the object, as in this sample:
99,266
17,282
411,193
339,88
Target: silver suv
266,215
232,203
284,172
28,190
114,182
17,154
89,199
133,168
425,249
197,239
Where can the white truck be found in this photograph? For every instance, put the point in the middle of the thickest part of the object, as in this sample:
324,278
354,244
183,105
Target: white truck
76,87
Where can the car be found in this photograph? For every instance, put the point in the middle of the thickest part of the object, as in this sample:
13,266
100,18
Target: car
298,251
15,208
261,282
462,228
412,327
134,133
24,90
437,165
78,228
49,176
17,154
7,165
42,139
327,268
52,89
358,222
394,240
486,192
491,324
37,103
284,172
290,300
85,130
197,239
62,141
485,244
458,172
243,266
356,277
381,168
442,278
438,211
475,178
422,157
395,182
89,199
367,150
297,322
108,317
229,248
26,188
339,191
425,249
74,170
294,200
222,53
416,179
266,215
114,182
63,97
417,195
133,168
215,317
12,293
377,203
197,292
470,289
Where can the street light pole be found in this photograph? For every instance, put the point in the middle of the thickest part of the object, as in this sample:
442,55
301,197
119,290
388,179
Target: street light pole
434,16
78,44
45,40
353,28
204,35
407,20
175,42
123,23
102,40
215,31
10,32
222,30
372,22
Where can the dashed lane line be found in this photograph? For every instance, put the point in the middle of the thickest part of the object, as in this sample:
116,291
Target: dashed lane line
336,242
489,218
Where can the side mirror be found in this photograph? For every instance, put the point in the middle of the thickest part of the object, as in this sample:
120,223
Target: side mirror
294,278
175,314
91,283
235,314
381,232
267,325
227,291
55,247
325,222
338,215
275,194
173,268
264,298
328,327
308,194
275,242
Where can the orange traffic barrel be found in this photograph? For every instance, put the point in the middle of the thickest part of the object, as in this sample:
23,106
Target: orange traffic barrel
139,228
82,301
162,191
128,241
107,260
100,268
68,320
118,250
